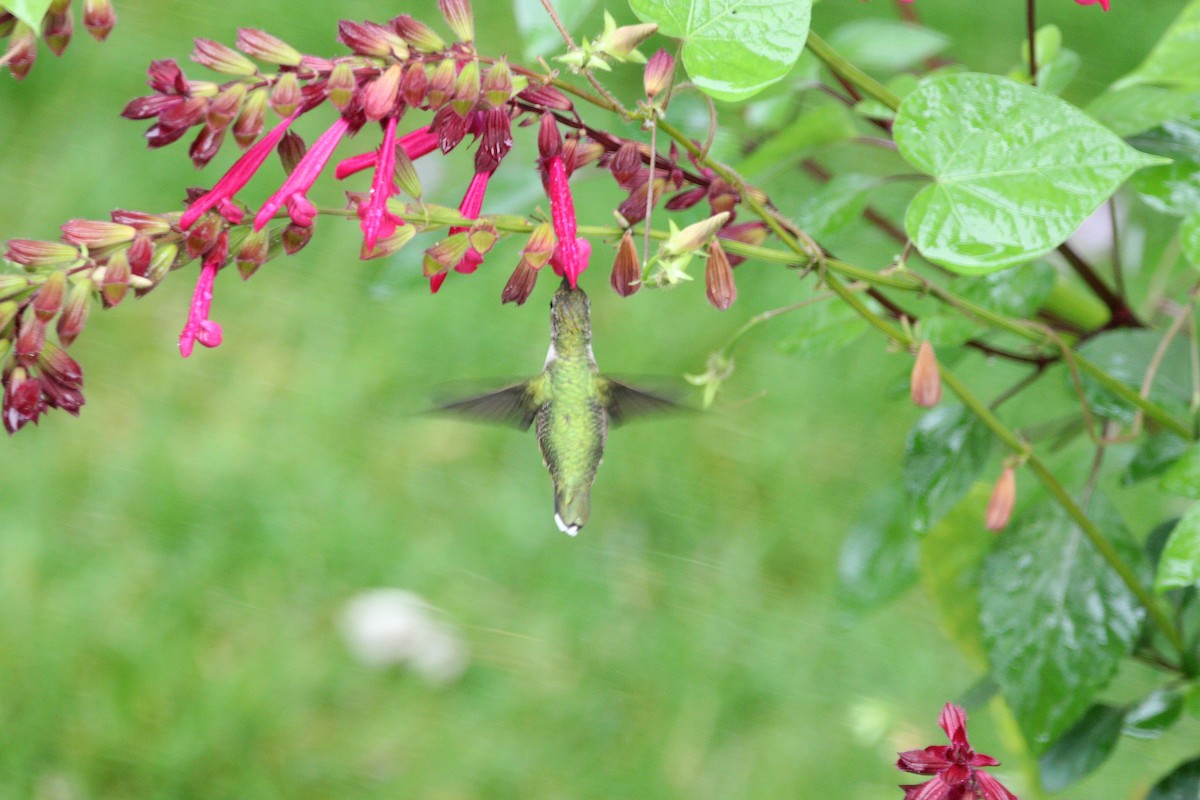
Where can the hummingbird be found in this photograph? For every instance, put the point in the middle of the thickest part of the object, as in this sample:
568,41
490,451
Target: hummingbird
571,406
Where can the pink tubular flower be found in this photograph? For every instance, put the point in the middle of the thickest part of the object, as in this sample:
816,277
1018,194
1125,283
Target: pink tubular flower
415,144
956,767
471,205
199,328
382,187
571,254
305,174
1103,3
238,176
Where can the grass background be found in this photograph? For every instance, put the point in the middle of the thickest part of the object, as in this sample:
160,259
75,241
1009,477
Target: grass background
172,563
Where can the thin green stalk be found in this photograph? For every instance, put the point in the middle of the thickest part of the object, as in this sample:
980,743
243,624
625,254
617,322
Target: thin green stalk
840,66
1103,546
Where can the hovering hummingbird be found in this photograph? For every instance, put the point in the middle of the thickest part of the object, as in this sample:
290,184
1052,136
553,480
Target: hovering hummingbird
572,404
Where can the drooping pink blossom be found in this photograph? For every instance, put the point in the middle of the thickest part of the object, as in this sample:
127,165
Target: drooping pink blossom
305,174
382,187
238,176
415,144
199,328
571,253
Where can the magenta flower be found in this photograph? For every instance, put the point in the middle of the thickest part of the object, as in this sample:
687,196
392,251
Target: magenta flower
199,328
382,187
304,175
415,144
956,767
1103,3
571,254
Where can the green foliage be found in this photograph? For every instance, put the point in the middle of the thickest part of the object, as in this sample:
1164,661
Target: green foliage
1085,746
878,559
1056,619
1154,715
1179,565
888,45
733,49
28,11
1182,783
946,451
1124,354
1015,170
822,327
1175,61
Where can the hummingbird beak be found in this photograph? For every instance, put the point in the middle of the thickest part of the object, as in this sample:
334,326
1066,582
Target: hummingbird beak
569,530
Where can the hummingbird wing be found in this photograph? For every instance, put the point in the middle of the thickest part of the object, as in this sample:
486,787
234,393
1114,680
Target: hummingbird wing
515,406
625,402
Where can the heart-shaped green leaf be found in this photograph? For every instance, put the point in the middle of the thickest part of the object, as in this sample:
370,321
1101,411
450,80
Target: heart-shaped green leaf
1016,170
29,11
732,49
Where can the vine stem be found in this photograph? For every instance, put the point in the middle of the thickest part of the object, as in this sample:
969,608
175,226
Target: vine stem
839,66
1031,32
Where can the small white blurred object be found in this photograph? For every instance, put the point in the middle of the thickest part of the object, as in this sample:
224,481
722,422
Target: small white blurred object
385,627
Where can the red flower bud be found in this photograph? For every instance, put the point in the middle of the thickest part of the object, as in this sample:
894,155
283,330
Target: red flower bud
659,71
265,47
33,253
31,339
96,233
222,58
379,96
285,94
415,84
926,378
295,237
99,18
49,298
1004,497
458,17
57,27
226,105
22,51
291,149
520,285
718,277
419,35
253,252
115,283
627,267
341,85
75,312
626,163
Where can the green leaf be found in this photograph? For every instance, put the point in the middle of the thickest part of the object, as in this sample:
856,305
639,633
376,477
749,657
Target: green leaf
1016,170
1135,109
732,49
1014,292
1086,745
1175,59
1179,565
945,452
952,555
1183,476
1056,619
1182,783
823,123
30,12
886,45
1152,717
823,327
835,205
1171,188
878,559
1124,354
1154,454
538,31
1189,238
1057,65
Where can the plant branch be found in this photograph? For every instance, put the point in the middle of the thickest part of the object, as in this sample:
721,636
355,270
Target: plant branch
1031,32
1122,314
842,68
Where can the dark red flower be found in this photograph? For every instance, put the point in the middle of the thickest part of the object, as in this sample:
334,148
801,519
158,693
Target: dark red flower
956,767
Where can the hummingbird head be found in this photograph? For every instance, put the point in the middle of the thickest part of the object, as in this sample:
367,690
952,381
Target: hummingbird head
569,312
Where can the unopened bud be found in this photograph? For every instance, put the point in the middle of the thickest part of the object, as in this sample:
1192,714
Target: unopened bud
415,84
34,253
57,27
49,298
498,84
466,88
405,175
203,235
152,224
115,283
549,139
458,17
341,85
253,252
659,71
295,237
13,286
226,105
97,233
926,378
31,338
420,36
285,94
627,267
291,149
99,18
390,245
222,58
379,96
371,39
75,312
621,43
265,47
140,253
520,285
163,262
441,84
752,233
249,122
694,236
8,312
626,163
1004,497
718,277
22,51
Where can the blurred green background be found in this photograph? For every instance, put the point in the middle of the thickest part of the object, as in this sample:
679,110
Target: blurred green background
174,562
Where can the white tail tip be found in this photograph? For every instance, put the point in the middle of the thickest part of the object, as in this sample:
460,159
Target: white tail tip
569,530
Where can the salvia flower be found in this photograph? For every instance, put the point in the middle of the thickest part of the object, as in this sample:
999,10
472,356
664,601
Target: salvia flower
199,327
570,257
957,768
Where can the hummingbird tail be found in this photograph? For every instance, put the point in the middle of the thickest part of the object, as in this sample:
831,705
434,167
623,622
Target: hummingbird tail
571,510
